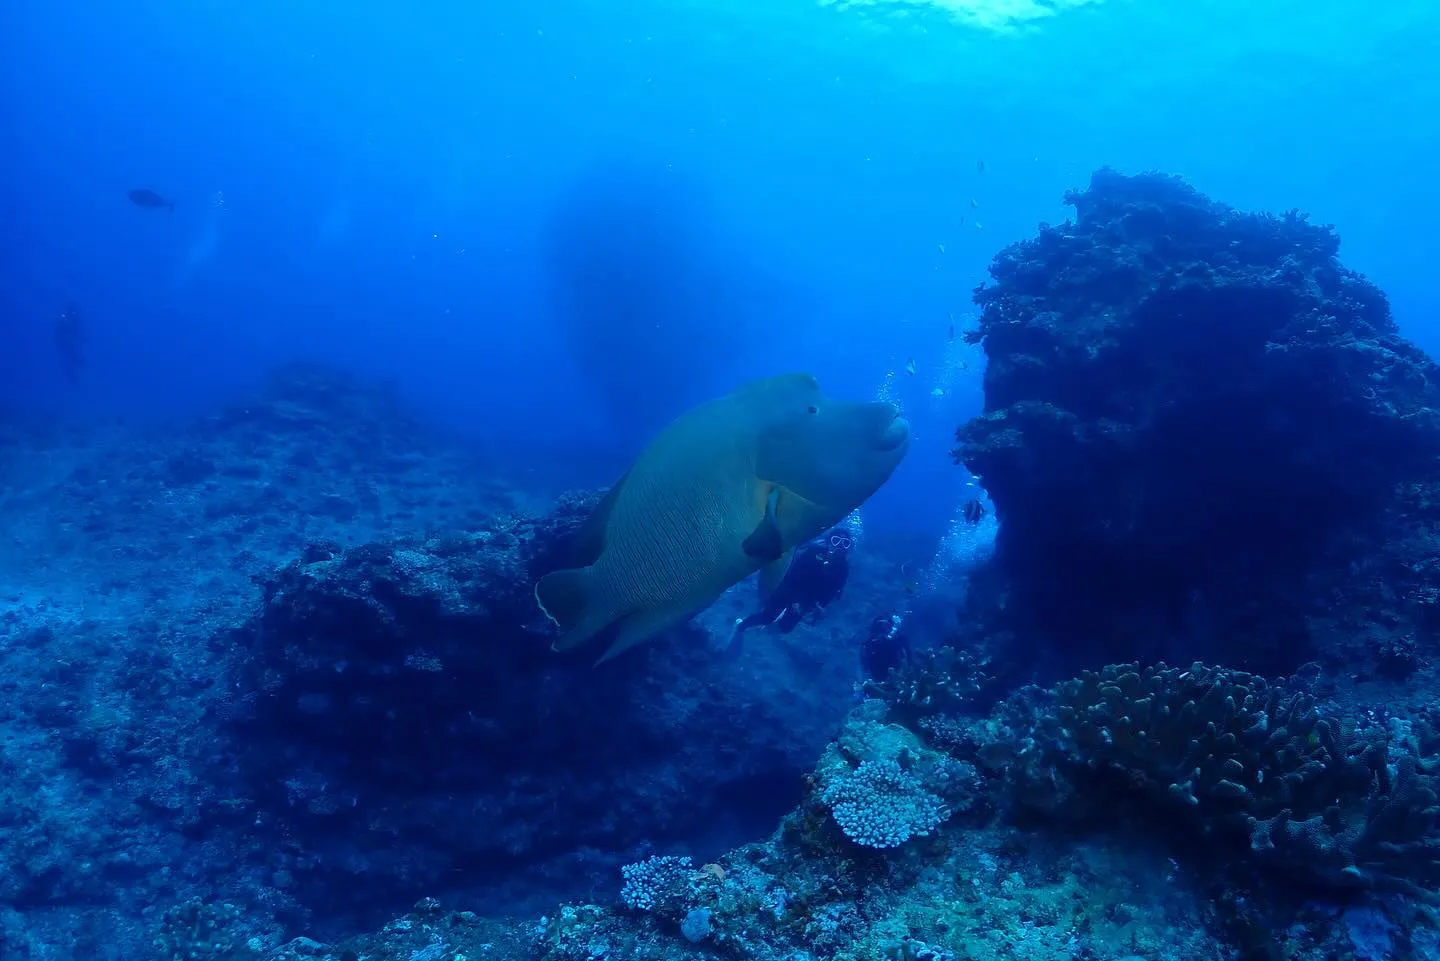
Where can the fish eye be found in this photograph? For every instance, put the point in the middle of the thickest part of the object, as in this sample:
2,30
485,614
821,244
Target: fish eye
813,409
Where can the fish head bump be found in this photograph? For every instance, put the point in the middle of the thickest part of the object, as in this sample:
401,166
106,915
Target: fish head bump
827,457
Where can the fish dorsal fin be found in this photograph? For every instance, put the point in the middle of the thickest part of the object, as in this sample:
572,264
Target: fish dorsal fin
589,541
793,382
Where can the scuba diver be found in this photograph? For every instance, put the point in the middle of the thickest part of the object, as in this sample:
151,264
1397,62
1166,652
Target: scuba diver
816,578
70,342
886,647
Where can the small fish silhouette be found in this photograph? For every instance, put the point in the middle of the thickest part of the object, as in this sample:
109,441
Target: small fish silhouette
150,200
973,511
70,342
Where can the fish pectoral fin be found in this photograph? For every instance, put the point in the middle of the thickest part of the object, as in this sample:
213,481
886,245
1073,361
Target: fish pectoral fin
789,519
765,543
640,627
564,597
795,513
773,573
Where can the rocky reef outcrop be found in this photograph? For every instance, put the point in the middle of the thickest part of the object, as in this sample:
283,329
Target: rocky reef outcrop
1336,800
930,831
1203,434
282,666
403,721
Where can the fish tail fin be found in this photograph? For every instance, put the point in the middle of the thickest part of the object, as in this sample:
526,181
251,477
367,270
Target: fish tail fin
564,597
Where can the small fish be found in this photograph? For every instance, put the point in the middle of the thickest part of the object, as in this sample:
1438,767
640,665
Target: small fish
962,220
973,511
150,200
938,392
952,330
979,225
980,166
974,202
910,366
940,247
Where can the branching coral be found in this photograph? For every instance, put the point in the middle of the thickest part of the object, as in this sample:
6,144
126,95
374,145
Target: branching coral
881,805
882,786
1243,758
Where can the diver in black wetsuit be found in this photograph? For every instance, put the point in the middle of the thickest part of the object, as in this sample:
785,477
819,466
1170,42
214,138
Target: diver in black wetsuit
70,342
816,578
886,647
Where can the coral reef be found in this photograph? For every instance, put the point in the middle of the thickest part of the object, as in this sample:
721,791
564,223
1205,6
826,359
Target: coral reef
282,658
964,889
125,574
269,675
1198,428
393,687
1008,880
1337,801
882,786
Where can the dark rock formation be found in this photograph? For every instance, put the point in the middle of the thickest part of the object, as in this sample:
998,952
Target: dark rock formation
407,728
284,662
1199,429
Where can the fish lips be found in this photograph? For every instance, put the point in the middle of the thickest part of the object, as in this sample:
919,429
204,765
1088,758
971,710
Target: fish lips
895,435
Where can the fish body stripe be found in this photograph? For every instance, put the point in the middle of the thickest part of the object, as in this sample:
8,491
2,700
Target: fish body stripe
695,513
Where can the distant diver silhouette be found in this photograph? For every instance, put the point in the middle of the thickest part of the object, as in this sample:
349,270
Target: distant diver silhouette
70,342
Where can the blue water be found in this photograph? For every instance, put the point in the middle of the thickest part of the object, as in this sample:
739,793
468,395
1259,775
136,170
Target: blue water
384,188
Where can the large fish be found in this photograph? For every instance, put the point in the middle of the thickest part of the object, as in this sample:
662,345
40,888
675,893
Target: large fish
730,488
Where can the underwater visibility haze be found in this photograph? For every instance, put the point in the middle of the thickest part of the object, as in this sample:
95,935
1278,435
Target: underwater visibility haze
991,447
